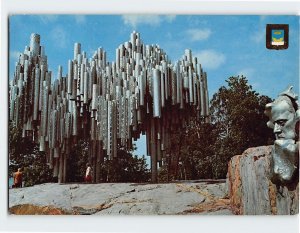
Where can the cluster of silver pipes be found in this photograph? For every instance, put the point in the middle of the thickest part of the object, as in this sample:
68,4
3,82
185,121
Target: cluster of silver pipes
107,103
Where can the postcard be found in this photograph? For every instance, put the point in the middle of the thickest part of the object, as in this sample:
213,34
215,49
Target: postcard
153,115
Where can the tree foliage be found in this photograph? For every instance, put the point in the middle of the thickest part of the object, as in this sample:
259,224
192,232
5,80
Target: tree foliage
125,168
76,164
238,113
191,153
237,123
25,154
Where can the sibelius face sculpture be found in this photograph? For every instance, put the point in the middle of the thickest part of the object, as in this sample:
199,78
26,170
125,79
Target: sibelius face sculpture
284,113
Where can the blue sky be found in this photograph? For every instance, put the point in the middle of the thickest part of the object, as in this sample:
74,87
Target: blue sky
225,45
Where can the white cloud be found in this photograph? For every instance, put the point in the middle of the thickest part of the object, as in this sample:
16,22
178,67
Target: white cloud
14,55
153,20
170,18
80,19
48,18
259,36
134,20
210,59
59,37
198,34
247,72
262,18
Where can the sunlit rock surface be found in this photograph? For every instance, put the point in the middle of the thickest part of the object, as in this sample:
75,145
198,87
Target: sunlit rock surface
251,192
121,199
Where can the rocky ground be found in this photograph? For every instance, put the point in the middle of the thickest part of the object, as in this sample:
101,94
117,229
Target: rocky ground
121,199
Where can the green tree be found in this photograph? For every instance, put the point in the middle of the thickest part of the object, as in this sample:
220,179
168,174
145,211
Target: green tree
76,165
190,153
25,154
237,112
125,168
203,150
200,138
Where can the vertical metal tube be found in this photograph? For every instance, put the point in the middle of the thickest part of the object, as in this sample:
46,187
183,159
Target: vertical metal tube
35,44
85,87
206,97
42,78
114,130
191,85
82,73
61,169
70,77
77,50
156,93
153,152
202,95
44,113
162,89
109,130
36,94
94,97
74,119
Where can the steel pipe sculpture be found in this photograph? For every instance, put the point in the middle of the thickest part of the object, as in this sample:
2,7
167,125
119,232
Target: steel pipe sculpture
110,103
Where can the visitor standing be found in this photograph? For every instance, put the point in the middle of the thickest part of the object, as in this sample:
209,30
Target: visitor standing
88,176
18,179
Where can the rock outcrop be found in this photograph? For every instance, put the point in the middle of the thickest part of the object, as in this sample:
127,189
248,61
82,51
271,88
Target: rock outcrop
121,199
250,190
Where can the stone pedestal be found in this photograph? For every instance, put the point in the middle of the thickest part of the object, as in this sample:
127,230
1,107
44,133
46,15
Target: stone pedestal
250,190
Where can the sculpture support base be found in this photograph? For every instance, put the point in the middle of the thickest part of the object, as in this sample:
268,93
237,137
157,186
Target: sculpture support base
250,189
